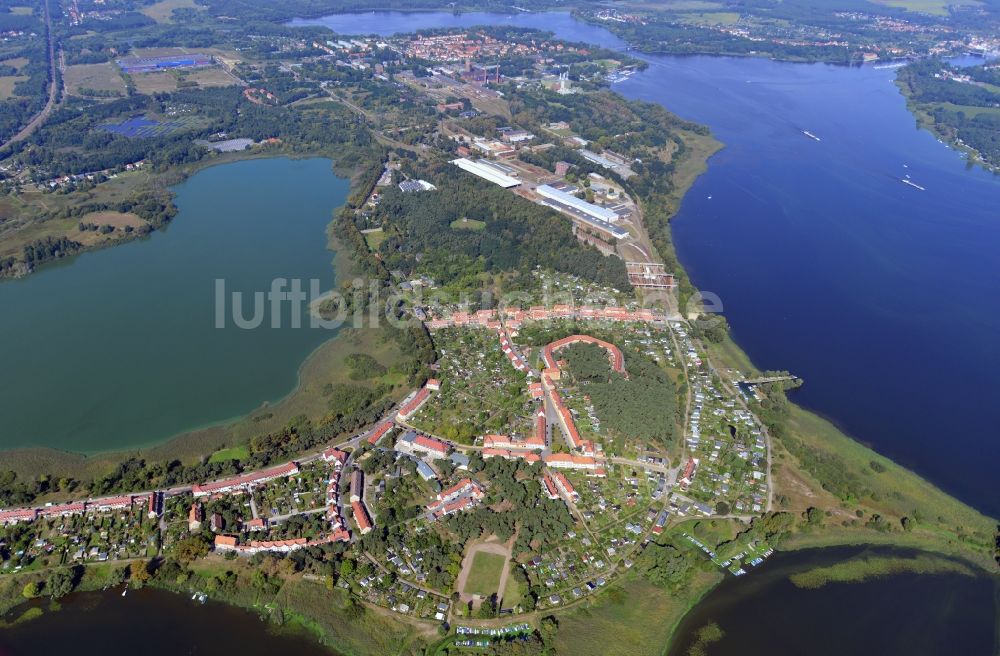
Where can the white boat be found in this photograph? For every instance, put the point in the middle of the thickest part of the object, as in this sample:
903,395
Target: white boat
810,135
912,184
124,592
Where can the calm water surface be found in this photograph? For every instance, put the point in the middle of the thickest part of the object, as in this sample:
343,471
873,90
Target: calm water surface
151,623
883,297
118,348
764,613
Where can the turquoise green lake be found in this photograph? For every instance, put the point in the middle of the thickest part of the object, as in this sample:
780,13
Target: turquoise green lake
119,348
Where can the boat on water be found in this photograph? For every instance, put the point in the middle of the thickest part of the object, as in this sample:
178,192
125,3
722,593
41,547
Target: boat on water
124,592
890,65
810,135
912,184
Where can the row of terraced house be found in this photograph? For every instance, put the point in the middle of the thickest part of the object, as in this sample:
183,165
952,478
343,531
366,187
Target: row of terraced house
514,317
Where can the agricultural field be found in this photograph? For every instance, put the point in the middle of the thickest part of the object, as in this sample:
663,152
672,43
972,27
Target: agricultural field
155,82
162,11
7,83
933,7
164,81
712,18
208,76
81,79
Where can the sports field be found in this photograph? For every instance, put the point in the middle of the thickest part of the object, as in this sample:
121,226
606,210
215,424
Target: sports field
484,575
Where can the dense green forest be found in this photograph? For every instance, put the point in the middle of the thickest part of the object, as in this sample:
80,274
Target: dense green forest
680,38
641,405
286,10
75,139
518,234
29,91
965,111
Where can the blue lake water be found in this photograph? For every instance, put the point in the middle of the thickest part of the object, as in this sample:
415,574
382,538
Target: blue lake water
765,613
883,297
119,348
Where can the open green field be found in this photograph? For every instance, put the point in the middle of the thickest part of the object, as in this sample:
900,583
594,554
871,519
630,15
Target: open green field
157,82
16,62
935,7
671,5
163,81
968,110
209,76
97,77
232,453
631,618
468,224
162,11
33,211
7,83
374,238
712,18
484,576
512,593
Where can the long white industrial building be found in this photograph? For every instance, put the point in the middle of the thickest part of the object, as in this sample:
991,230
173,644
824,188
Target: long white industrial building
486,172
595,211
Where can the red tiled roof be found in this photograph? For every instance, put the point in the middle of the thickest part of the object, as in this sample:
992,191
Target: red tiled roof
430,443
361,516
286,469
113,502
379,431
225,541
550,487
414,403
67,508
333,453
18,515
563,484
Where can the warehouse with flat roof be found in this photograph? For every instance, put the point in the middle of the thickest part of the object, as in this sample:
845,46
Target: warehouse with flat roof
486,172
565,198
163,63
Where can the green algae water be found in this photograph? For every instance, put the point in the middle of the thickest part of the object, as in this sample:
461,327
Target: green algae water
119,348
